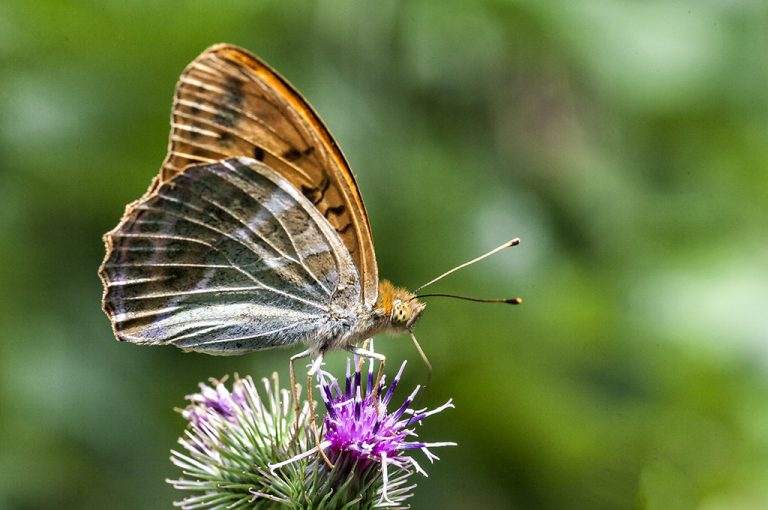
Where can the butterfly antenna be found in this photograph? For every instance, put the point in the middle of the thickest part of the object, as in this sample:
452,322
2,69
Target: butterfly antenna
509,301
513,242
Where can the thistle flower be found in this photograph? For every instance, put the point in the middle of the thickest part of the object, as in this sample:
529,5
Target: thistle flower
360,435
242,451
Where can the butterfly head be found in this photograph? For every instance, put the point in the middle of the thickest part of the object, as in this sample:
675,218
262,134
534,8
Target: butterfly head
399,306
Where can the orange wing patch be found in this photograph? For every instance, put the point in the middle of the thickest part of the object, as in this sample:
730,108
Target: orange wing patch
228,103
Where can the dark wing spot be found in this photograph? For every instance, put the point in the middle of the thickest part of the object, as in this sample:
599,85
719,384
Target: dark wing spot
294,154
234,87
225,137
344,230
315,195
258,155
225,117
338,210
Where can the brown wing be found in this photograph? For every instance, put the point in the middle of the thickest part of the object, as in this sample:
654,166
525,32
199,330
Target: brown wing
228,103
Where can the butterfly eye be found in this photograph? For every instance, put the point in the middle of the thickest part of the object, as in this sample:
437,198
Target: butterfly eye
400,313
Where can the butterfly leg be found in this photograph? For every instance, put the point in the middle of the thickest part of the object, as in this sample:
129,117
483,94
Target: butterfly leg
366,346
294,388
365,353
312,416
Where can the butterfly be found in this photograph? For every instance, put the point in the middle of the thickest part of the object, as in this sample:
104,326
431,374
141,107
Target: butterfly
254,234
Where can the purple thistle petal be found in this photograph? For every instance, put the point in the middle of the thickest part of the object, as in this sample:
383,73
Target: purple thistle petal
336,389
358,405
405,405
416,418
369,387
348,386
327,391
396,380
327,395
357,374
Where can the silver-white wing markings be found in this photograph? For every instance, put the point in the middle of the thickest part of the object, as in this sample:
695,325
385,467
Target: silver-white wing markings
282,254
229,265
225,258
272,208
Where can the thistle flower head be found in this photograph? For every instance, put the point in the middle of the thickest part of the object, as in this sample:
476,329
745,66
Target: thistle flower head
368,441
242,450
358,425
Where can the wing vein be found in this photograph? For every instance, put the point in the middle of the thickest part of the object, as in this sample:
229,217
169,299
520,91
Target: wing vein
215,266
213,290
290,237
250,337
215,230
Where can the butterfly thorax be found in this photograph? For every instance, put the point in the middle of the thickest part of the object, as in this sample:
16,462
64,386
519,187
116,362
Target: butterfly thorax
395,311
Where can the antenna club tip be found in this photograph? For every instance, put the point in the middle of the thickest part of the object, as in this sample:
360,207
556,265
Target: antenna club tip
514,301
514,242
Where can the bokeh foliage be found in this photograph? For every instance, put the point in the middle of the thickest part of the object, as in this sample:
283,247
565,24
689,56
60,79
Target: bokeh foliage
626,142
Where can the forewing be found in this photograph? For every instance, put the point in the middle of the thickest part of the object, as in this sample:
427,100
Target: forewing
224,258
228,103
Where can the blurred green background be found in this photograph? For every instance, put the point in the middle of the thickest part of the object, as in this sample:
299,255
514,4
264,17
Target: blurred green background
625,142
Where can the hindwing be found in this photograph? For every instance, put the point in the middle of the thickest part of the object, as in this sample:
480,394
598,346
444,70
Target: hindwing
224,258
